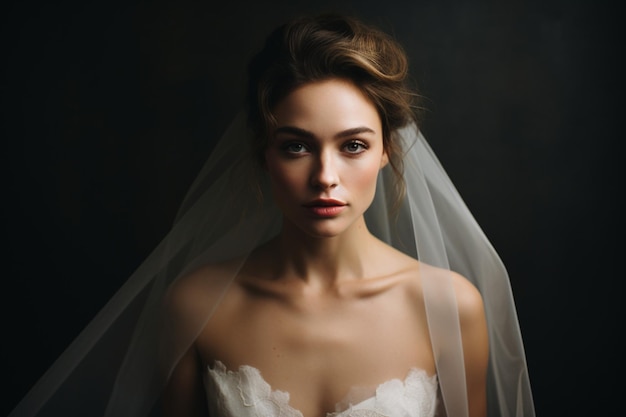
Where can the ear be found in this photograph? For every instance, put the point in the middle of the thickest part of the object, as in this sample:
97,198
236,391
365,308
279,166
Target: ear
384,159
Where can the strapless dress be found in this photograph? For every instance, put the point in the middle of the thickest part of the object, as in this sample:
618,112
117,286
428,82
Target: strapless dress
244,393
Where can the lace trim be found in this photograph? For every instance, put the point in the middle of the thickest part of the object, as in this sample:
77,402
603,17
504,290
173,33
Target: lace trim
416,396
254,391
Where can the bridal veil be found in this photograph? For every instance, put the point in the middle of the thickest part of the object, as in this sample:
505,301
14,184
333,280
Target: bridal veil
120,363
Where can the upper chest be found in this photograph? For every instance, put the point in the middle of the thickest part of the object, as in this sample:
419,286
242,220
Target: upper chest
316,322
319,349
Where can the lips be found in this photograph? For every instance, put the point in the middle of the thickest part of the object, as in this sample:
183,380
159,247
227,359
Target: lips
325,202
325,207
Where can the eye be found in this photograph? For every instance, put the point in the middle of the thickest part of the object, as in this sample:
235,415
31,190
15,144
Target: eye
355,147
294,148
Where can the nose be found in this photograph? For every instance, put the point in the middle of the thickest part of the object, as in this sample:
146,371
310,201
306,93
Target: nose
324,174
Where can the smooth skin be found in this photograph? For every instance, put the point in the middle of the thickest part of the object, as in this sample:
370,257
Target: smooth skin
326,305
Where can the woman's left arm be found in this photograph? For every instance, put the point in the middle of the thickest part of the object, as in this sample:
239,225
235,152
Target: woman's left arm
475,345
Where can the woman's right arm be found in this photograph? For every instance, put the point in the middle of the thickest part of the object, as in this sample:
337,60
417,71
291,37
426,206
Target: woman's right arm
184,394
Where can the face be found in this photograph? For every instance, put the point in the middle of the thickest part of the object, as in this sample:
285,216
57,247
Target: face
324,156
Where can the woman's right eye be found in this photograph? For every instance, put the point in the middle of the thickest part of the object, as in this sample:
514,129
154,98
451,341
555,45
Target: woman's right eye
294,148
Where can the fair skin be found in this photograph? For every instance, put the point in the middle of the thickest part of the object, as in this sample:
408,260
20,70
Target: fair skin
316,302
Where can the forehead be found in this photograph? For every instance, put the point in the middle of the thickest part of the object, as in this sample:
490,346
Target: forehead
326,107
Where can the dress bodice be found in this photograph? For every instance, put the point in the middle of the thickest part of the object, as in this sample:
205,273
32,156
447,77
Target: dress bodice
244,393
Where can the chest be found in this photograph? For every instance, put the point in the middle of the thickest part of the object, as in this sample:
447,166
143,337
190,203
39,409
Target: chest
244,393
320,351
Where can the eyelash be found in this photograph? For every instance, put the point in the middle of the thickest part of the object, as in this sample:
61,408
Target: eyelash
362,146
288,147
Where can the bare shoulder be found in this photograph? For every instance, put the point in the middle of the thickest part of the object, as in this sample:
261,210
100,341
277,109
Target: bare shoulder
419,274
468,298
191,294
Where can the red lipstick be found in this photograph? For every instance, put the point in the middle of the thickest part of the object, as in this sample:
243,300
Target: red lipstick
326,207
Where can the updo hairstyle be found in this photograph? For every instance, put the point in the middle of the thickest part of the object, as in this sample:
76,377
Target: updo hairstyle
318,48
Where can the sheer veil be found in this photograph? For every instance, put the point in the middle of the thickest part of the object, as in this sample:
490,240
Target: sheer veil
119,364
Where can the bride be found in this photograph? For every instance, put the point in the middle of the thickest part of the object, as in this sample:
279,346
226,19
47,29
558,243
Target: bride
325,307
321,264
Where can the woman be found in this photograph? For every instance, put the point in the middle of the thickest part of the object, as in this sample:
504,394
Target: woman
303,278
325,306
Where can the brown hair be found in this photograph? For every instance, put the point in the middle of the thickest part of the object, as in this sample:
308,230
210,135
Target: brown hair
330,46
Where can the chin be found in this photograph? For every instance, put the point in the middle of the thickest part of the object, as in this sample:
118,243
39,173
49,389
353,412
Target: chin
325,229
323,234
320,228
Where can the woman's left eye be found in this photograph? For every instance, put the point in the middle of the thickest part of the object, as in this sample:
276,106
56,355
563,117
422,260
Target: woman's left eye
355,147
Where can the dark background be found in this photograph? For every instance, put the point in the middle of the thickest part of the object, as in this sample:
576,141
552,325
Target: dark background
110,108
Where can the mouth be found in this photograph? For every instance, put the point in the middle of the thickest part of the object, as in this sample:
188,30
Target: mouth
325,202
326,207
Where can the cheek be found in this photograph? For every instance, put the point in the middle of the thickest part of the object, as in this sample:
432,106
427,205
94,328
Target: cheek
285,177
365,180
282,176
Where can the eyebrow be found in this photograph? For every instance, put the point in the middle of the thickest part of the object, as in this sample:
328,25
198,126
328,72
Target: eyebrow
309,135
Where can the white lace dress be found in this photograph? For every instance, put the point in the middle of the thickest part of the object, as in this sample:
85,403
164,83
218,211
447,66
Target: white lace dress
244,393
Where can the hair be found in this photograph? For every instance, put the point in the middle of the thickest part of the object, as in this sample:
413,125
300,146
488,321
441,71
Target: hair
309,49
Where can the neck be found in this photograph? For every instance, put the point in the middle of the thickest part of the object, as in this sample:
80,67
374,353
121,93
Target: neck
323,262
